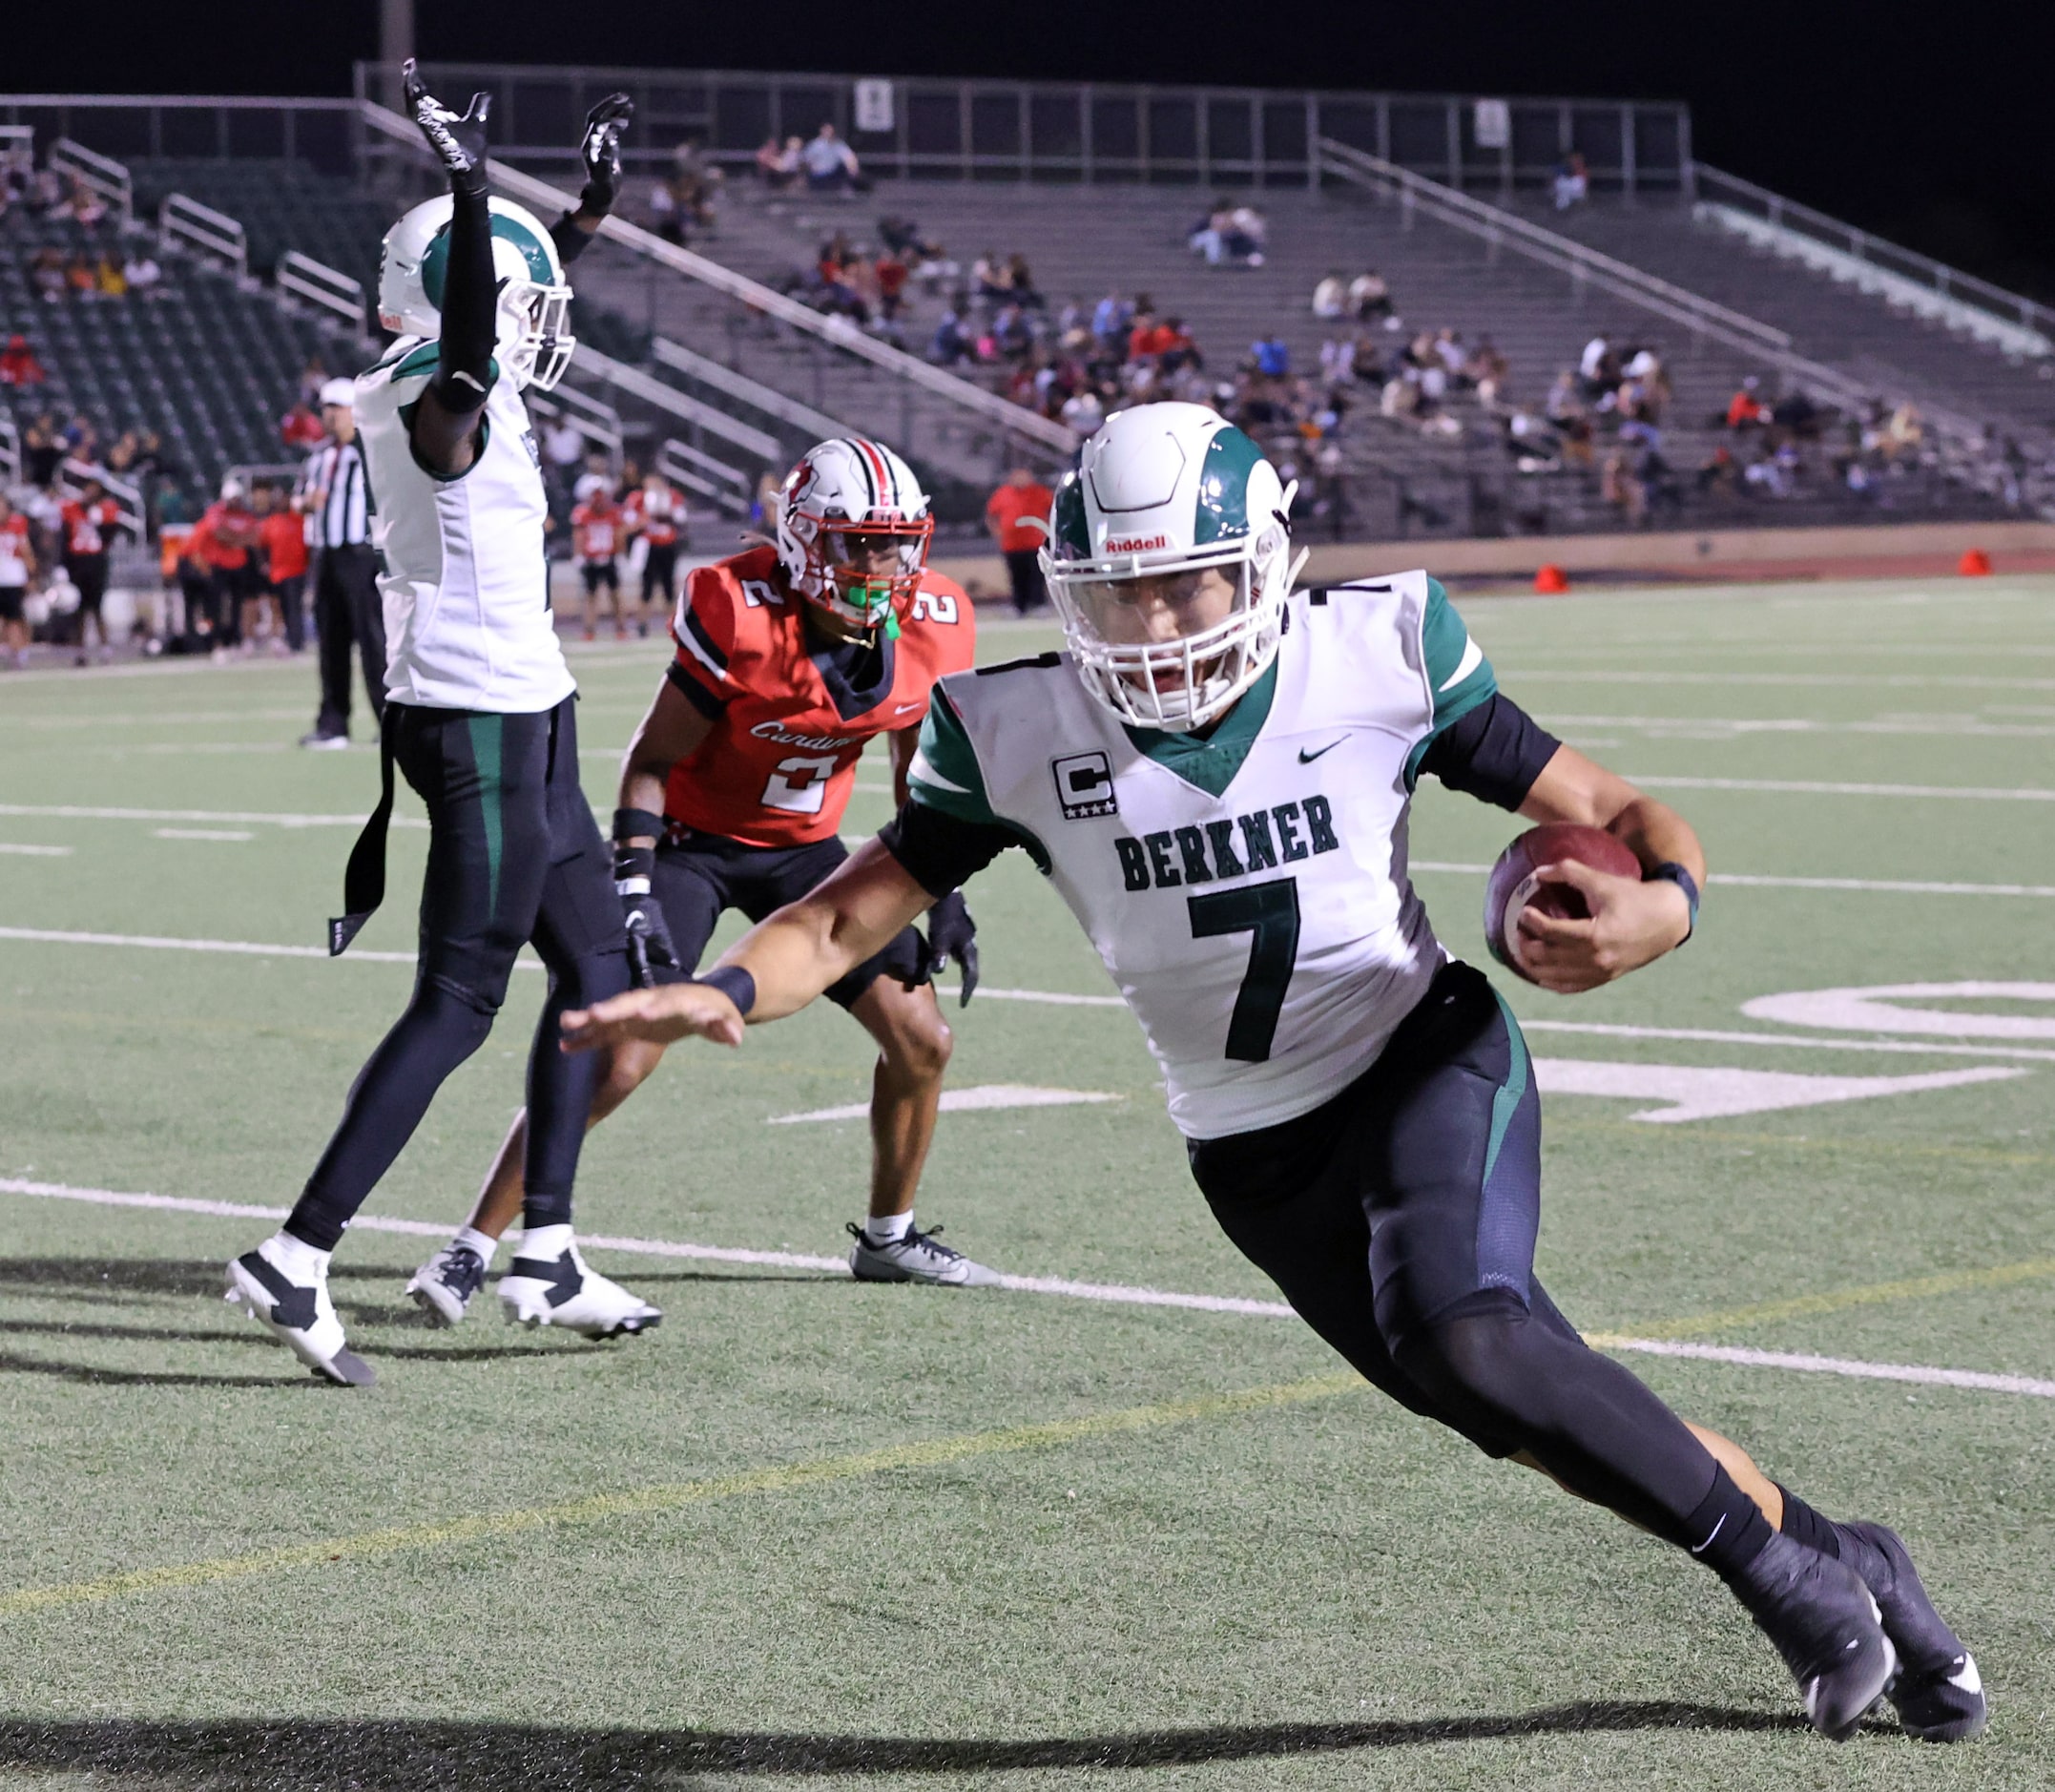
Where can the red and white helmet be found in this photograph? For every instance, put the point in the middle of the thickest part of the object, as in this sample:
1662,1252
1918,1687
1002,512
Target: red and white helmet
848,486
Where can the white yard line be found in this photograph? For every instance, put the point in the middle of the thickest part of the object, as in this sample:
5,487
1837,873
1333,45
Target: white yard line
23,851
1950,727
72,812
1809,787
1812,1042
1801,681
1062,1288
202,833
1899,886
1811,1365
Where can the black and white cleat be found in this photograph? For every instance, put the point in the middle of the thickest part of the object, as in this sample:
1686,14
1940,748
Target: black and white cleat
299,1314
1826,1626
1938,1694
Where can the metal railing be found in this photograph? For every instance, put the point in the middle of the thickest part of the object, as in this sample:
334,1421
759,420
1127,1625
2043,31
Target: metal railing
128,495
97,174
753,393
837,332
211,126
319,285
1508,230
592,365
595,420
968,130
1950,283
726,486
9,450
182,220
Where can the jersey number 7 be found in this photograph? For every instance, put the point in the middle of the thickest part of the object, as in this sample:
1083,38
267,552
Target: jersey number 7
1270,912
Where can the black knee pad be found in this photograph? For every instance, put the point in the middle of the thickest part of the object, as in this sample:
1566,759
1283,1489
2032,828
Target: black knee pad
479,999
1483,1366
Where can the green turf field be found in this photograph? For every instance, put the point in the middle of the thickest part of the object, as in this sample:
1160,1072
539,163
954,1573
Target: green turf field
904,1538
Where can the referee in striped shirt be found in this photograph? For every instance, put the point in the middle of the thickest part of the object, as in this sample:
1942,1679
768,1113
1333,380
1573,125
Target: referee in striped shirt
347,609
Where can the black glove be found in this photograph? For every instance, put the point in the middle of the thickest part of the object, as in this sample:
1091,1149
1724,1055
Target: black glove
649,939
459,143
952,934
600,149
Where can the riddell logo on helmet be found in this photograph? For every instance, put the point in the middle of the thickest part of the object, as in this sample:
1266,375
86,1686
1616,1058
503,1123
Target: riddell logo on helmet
1136,544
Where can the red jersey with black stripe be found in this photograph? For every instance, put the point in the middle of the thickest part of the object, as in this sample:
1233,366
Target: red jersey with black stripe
791,713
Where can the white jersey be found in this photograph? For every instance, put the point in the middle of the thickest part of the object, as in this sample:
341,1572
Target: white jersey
1248,893
464,581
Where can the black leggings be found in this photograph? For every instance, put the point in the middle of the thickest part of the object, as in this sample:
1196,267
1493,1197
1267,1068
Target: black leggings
1398,1219
515,856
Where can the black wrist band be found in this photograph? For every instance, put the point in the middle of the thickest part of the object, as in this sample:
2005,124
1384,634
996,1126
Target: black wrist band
1669,872
634,861
637,825
734,983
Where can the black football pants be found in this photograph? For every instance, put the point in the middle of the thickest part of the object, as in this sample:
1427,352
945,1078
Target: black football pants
1398,1219
348,613
514,857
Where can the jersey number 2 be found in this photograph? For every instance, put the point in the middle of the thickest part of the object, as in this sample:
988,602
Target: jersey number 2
800,784
1270,911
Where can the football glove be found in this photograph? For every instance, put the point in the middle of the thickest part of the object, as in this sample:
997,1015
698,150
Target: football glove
650,949
459,143
952,934
601,151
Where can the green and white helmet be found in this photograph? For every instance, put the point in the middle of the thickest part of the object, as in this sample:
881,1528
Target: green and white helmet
1165,491
532,339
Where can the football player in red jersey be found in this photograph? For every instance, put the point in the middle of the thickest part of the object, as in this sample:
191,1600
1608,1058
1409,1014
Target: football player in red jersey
656,510
791,657
599,531
91,521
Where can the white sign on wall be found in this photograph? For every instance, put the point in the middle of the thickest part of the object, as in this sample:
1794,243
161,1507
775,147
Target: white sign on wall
1493,124
874,105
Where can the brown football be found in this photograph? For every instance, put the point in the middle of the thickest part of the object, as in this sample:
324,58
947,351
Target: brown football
1513,884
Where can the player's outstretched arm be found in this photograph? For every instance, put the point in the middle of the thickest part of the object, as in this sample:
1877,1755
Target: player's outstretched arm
788,959
1632,922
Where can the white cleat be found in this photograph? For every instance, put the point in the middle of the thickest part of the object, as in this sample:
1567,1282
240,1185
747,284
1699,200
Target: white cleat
443,1286
916,1257
550,1283
299,1315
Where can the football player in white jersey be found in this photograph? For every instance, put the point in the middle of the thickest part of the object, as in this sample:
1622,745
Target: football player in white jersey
1216,778
479,717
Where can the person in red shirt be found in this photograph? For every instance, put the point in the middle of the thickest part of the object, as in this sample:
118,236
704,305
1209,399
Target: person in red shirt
599,529
18,364
1017,515
656,510
792,657
222,543
282,534
90,523
17,567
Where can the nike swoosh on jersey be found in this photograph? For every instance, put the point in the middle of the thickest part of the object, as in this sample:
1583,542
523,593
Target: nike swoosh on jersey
1307,759
900,709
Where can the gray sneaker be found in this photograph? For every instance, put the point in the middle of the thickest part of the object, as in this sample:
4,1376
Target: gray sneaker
917,1257
443,1286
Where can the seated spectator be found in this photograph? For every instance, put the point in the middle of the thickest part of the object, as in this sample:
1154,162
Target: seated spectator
901,236
42,451
1599,368
1084,412
140,269
695,183
1273,358
1745,411
86,205
664,213
831,165
1338,359
1178,348
1447,348
1020,281
1330,297
1531,441
80,277
890,272
46,272
1717,471
777,162
109,278
1209,235
1797,414
992,279
1486,369
952,345
18,364
1572,182
1370,297
1248,231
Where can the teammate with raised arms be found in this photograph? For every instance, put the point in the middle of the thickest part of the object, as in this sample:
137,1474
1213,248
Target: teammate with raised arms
480,718
1216,778
792,657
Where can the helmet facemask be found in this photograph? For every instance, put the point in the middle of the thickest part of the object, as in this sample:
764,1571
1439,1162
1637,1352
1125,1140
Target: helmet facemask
1193,674
534,343
853,534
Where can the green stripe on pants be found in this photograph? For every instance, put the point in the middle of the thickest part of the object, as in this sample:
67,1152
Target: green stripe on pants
486,733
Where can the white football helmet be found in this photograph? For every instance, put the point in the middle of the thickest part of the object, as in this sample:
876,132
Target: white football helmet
1169,491
532,339
848,485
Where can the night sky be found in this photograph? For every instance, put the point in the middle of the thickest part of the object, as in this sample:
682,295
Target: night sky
1930,125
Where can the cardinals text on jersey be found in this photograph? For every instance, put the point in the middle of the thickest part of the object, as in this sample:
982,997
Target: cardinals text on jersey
778,768
1247,892
466,587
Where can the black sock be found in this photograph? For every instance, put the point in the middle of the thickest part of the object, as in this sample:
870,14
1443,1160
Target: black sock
1729,1526
1803,1525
